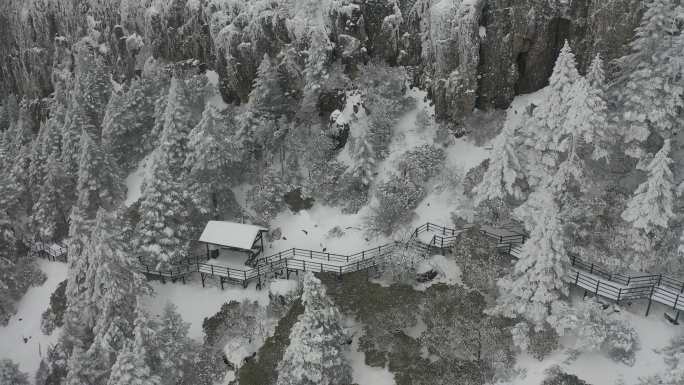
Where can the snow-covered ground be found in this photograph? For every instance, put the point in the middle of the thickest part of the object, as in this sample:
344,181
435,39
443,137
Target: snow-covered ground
26,323
596,368
195,302
363,374
310,229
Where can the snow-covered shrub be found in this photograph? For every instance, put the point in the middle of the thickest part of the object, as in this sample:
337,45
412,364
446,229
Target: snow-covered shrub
421,163
494,212
474,176
539,343
53,317
596,328
400,266
458,329
53,367
235,319
622,341
481,265
556,376
16,277
267,198
396,200
11,375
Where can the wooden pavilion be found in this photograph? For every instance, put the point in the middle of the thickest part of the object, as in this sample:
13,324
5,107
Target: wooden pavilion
239,237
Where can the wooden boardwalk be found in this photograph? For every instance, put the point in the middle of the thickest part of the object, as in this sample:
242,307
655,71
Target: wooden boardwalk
429,238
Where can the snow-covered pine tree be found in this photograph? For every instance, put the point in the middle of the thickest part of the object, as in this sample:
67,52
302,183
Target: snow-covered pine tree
651,76
171,348
548,117
214,156
98,184
163,223
128,123
268,98
504,172
315,354
38,157
315,71
49,217
537,279
181,114
596,111
87,104
102,288
651,206
132,365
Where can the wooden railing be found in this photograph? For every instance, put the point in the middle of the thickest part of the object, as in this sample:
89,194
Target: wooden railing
591,277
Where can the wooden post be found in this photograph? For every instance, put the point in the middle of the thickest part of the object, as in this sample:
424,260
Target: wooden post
650,299
202,276
597,287
617,301
577,278
591,271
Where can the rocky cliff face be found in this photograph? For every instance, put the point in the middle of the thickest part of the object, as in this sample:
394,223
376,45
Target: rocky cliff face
467,53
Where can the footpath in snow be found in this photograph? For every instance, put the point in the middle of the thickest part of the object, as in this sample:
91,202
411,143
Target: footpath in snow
21,340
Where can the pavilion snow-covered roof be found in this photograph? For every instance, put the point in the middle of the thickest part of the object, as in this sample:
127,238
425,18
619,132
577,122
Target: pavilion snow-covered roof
231,234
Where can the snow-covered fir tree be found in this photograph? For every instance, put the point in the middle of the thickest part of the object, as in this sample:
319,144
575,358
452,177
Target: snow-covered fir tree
652,90
163,224
183,110
132,363
170,350
651,206
214,156
101,290
504,172
98,184
549,116
315,354
49,215
537,278
131,367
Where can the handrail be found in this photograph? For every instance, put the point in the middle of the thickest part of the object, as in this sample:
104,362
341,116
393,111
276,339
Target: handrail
591,277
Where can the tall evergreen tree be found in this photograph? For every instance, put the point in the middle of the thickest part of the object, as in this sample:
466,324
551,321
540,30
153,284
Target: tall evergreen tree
98,184
49,215
504,172
551,113
537,279
163,224
268,98
652,90
214,156
132,364
181,114
171,348
315,354
651,206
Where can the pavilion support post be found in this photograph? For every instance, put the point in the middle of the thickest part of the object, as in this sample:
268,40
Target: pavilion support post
208,254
